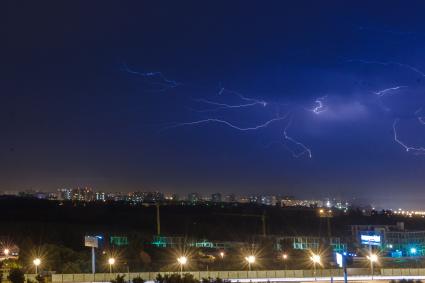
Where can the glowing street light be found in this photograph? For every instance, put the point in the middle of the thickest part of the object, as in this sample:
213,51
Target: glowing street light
6,252
182,261
285,258
315,258
372,258
111,261
251,260
222,255
36,263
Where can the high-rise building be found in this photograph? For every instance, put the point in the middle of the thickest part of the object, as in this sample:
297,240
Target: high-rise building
216,197
100,196
193,197
230,198
65,194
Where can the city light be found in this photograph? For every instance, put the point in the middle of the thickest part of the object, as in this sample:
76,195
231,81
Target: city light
251,260
315,258
36,263
222,255
6,252
285,258
111,261
182,261
372,258
413,251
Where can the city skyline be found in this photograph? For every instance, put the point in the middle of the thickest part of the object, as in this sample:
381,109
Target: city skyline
312,99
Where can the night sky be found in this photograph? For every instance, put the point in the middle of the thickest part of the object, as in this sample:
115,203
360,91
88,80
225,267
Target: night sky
207,96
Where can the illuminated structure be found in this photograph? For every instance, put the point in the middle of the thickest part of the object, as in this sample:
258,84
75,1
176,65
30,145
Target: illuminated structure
309,243
393,239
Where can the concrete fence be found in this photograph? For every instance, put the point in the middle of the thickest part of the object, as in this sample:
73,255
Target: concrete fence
106,277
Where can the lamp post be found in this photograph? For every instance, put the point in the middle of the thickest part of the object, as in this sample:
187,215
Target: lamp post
111,261
182,261
6,252
372,258
251,260
36,263
285,258
315,258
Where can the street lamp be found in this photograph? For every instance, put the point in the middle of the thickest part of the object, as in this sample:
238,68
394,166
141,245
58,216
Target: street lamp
6,252
222,255
251,260
111,261
36,262
315,258
285,258
182,261
372,258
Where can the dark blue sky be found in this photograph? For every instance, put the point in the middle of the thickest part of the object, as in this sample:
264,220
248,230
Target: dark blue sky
82,102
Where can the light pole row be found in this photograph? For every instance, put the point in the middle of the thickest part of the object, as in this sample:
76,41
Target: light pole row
182,260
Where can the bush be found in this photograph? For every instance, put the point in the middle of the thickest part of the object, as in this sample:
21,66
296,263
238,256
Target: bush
16,275
138,279
118,279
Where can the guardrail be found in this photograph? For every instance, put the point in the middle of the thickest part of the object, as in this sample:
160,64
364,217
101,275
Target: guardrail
149,276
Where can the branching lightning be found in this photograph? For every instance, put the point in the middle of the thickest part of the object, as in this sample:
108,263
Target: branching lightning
415,150
154,78
304,149
242,97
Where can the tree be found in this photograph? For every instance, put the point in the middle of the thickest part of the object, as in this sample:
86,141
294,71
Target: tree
16,275
138,279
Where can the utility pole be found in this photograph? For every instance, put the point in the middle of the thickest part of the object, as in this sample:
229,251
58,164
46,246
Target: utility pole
158,220
93,261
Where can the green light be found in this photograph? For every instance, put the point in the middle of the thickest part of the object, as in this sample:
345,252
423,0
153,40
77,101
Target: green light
119,241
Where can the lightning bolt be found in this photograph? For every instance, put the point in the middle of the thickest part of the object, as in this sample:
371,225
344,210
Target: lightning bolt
154,78
242,97
421,119
229,124
227,106
304,149
415,150
383,92
320,106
